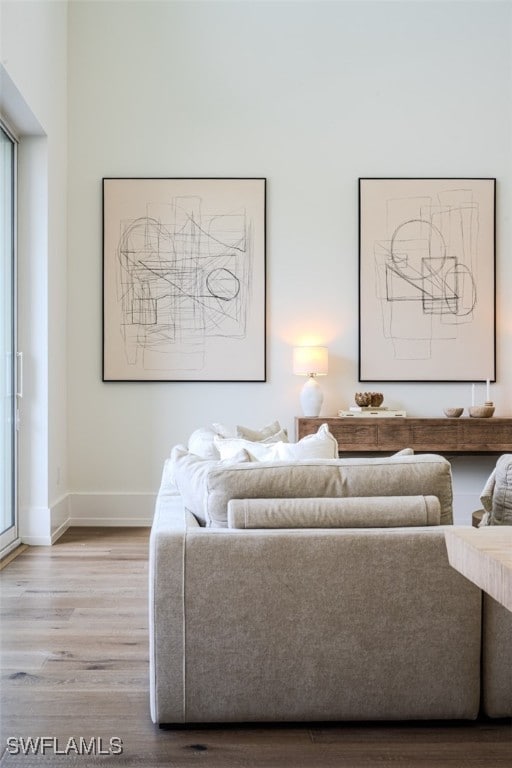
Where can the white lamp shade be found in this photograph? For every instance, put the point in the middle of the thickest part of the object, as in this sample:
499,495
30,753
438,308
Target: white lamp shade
309,361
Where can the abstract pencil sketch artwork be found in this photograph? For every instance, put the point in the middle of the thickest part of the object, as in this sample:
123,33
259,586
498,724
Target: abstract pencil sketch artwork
184,279
426,279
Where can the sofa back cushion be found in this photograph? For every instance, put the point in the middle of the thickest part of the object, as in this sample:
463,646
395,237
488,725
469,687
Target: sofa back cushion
426,474
189,473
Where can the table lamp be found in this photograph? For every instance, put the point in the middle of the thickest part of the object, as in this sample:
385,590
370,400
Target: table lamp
310,362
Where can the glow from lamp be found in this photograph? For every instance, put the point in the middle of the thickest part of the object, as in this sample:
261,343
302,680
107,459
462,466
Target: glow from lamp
310,362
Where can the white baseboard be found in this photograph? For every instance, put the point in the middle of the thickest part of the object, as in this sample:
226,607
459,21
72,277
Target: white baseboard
42,526
111,509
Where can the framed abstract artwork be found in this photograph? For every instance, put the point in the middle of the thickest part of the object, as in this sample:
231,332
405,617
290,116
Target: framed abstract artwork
427,286
184,279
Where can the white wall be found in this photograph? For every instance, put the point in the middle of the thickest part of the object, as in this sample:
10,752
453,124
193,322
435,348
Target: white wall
33,70
311,95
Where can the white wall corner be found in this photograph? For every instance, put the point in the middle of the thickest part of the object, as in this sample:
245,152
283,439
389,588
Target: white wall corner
59,517
35,525
42,526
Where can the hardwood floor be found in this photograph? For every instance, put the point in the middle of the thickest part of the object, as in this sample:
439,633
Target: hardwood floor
74,664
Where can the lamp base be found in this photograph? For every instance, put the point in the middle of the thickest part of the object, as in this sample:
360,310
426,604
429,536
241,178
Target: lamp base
311,398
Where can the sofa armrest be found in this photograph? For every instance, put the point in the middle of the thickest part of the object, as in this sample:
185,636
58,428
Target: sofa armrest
166,603
358,512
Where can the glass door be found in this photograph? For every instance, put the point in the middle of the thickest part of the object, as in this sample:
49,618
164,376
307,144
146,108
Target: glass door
9,360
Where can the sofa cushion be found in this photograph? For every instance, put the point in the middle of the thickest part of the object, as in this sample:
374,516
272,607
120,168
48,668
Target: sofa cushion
189,474
202,443
426,474
321,445
202,440
360,512
271,433
496,496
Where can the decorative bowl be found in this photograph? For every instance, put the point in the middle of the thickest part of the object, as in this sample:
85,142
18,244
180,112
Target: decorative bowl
363,399
366,399
481,411
453,413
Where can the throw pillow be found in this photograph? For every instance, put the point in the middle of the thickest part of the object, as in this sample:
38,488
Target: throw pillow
496,496
223,430
190,474
321,445
269,434
258,451
201,442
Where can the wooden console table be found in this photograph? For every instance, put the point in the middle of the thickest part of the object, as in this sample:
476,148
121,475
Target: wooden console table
369,434
484,556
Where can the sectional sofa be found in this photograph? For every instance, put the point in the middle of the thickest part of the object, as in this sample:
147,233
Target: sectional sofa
316,590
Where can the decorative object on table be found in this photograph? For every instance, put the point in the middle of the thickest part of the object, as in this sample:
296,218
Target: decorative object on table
484,411
184,279
426,279
453,413
310,362
361,412
369,399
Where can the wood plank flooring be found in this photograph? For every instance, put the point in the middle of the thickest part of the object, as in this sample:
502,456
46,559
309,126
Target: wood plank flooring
74,664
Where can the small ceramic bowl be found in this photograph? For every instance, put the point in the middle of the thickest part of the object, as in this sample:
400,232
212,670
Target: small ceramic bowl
481,411
453,413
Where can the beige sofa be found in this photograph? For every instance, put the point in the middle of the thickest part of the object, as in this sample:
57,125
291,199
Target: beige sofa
280,603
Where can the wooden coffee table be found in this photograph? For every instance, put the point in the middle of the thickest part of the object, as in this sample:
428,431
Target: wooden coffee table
484,556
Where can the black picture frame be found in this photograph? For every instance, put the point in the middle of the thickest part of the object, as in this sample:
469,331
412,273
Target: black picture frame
184,279
427,279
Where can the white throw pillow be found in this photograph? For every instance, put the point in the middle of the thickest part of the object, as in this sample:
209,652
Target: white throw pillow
223,430
258,451
189,473
272,433
321,445
201,443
